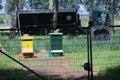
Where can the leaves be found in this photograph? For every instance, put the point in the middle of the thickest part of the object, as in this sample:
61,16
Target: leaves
69,3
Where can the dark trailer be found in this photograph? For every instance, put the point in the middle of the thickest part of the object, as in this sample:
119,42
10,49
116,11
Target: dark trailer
35,22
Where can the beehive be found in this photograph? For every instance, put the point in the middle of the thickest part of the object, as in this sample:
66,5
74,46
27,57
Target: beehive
26,46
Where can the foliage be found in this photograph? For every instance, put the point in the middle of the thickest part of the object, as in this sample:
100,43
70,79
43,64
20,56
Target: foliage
34,4
69,3
4,17
43,4
90,3
39,4
112,5
9,5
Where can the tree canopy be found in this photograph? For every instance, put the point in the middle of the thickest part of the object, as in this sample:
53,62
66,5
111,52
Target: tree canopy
44,4
9,5
107,3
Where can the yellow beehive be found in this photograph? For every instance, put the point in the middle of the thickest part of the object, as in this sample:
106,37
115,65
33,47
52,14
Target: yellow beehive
27,44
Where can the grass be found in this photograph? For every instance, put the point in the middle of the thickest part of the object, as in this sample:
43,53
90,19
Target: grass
106,59
111,73
105,55
84,21
20,74
102,61
10,70
79,57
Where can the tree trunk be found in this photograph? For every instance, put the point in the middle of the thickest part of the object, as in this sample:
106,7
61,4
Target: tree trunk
111,12
55,16
14,18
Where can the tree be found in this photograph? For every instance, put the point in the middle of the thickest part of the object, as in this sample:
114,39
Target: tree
14,17
55,9
39,4
111,12
69,3
20,4
111,5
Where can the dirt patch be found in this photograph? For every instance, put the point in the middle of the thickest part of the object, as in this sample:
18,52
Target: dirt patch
56,67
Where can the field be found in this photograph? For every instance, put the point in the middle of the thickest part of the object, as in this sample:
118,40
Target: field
104,65
105,59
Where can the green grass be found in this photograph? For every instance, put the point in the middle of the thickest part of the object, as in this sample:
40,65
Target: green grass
106,59
117,17
79,57
106,63
102,61
105,54
70,45
111,73
84,21
11,70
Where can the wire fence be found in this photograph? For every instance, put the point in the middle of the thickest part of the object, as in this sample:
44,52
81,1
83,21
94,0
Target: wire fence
106,57
106,60
66,67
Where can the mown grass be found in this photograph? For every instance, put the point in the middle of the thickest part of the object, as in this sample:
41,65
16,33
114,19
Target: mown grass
105,54
79,58
102,61
111,73
84,21
10,70
116,20
106,59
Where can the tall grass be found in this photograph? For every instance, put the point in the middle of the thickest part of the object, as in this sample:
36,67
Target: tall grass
70,45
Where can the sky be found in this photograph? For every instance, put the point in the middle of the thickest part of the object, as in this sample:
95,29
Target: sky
2,11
